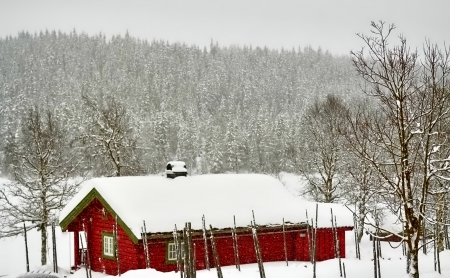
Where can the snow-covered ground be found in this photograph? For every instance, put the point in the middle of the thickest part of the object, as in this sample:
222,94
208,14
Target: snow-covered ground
393,264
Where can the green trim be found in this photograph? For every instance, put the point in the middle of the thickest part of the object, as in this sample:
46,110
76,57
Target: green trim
93,194
108,234
78,209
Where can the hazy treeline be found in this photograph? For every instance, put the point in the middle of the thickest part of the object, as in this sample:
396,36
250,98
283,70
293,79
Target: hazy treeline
219,109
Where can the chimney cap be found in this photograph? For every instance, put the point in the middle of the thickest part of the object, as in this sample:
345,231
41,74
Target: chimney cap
176,168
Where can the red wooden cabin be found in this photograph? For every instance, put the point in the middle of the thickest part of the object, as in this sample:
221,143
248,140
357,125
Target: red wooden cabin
94,209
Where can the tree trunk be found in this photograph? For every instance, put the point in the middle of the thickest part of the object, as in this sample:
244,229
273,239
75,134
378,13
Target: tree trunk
43,228
440,218
414,266
43,225
361,219
413,245
26,246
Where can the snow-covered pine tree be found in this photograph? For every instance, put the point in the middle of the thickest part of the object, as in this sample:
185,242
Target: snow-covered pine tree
216,156
188,146
234,147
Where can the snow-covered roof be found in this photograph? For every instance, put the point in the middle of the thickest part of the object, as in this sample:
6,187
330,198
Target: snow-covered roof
177,163
163,202
177,166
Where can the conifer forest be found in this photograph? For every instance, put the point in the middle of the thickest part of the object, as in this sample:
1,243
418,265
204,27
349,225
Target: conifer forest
235,109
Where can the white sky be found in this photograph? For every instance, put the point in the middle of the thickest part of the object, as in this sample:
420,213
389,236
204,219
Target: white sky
331,24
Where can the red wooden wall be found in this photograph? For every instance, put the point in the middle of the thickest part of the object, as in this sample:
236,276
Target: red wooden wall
325,245
271,247
97,220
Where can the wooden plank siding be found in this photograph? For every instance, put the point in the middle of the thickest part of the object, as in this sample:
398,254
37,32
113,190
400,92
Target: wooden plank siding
98,220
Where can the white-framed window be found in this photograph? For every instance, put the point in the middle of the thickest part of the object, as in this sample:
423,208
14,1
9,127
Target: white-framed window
108,245
172,251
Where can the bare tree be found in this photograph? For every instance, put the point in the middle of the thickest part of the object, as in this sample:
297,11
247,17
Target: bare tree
406,128
361,182
360,192
322,156
40,168
433,133
110,138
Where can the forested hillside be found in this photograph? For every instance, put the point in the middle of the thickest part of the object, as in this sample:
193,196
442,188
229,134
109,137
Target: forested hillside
79,106
219,109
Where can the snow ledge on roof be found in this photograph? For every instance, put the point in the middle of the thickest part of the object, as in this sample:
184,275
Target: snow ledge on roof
163,202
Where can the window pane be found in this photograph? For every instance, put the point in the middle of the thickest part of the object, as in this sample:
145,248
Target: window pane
172,251
108,246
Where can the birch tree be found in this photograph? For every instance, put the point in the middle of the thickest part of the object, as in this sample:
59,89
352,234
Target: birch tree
40,169
412,95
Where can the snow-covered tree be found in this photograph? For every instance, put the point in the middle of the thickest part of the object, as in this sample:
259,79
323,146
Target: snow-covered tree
361,182
413,98
40,169
322,153
215,156
161,124
110,139
151,79
234,147
188,147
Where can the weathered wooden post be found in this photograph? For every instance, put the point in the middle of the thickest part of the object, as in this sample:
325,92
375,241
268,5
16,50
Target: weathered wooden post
194,260
88,256
308,231
55,256
205,243
334,234
145,242
177,250
315,242
284,243
262,273
83,254
116,245
235,245
216,255
338,251
26,247
188,251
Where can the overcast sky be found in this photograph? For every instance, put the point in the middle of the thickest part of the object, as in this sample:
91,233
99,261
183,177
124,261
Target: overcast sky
330,24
